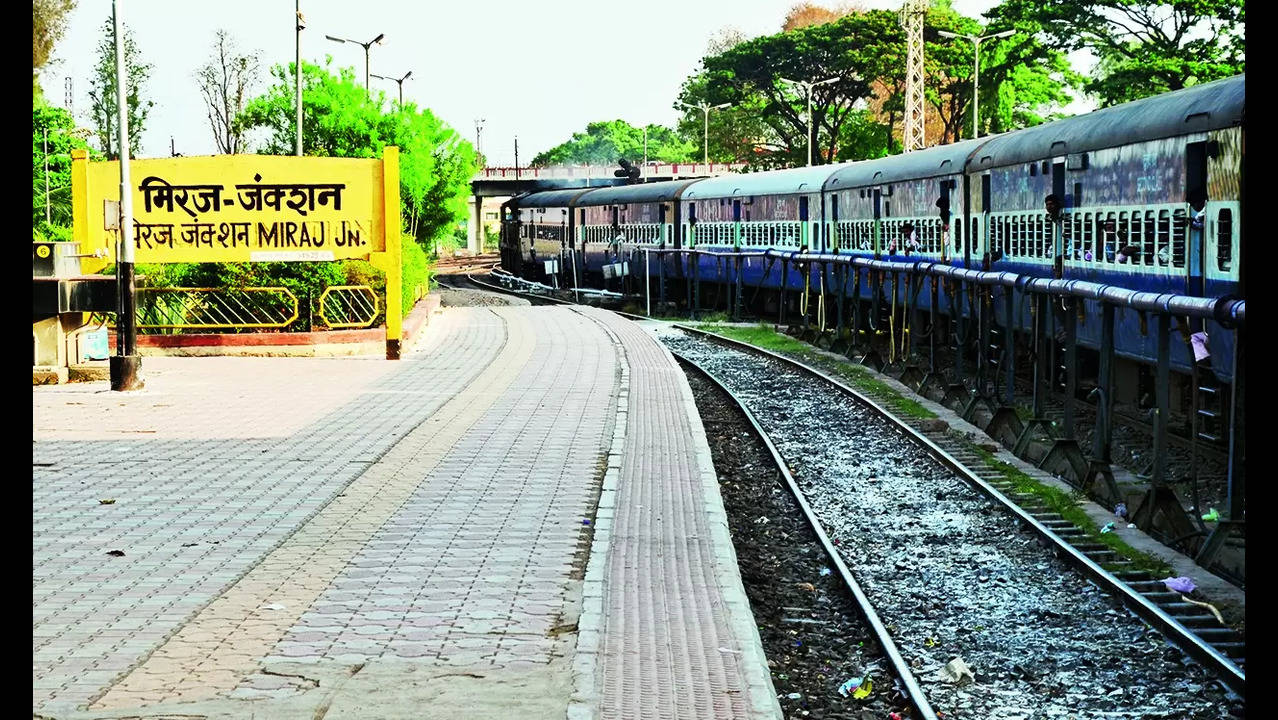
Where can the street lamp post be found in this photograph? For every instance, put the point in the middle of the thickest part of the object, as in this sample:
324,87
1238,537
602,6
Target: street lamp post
125,363
400,81
366,45
297,70
976,70
807,88
705,109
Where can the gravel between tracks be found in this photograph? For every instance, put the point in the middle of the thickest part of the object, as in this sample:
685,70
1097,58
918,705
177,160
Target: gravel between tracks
953,576
808,622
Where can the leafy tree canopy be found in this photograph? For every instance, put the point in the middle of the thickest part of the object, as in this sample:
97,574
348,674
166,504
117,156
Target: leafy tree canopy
1023,80
1144,47
603,143
854,50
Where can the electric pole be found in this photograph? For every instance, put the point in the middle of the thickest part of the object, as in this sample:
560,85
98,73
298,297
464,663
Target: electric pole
912,13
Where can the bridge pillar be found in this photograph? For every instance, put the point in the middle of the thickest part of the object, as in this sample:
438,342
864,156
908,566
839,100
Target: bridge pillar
475,233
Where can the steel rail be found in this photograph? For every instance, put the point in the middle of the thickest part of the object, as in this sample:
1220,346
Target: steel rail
1229,673
900,665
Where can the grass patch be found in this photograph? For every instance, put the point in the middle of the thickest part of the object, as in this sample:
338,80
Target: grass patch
1066,505
764,336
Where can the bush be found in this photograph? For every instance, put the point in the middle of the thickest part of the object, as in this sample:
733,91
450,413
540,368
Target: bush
47,232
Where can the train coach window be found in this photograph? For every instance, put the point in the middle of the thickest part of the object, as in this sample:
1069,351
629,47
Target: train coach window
1151,232
1225,240
1033,170
1163,254
958,237
1179,228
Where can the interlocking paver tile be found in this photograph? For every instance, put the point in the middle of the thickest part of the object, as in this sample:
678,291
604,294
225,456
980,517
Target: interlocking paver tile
244,451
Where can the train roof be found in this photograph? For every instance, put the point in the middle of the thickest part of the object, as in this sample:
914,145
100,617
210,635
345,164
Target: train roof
776,182
920,164
645,193
551,198
1200,108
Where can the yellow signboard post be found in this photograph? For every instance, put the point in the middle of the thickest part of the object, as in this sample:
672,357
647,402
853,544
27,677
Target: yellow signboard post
249,208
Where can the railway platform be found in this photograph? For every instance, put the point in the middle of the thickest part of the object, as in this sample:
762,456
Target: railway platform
520,518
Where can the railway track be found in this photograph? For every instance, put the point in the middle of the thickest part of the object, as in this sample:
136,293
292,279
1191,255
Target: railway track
899,667
1188,626
464,262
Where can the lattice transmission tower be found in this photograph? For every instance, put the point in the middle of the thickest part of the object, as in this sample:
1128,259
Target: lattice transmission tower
912,12
68,97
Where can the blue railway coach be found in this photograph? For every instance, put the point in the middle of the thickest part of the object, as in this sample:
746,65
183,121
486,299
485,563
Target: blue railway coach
1144,196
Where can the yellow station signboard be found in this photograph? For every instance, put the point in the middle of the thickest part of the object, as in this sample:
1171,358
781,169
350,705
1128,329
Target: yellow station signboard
243,208
246,208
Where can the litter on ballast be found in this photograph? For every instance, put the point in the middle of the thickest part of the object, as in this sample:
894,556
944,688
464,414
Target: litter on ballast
857,687
1109,528
1179,584
1211,516
1120,510
955,670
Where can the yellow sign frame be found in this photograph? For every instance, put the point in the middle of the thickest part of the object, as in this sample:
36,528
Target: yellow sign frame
248,208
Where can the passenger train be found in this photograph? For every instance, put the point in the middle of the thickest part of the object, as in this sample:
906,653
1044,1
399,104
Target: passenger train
1147,196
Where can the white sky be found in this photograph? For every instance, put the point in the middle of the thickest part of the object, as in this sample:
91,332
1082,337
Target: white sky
541,69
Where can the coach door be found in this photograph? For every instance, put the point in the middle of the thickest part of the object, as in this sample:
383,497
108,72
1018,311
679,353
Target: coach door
1195,190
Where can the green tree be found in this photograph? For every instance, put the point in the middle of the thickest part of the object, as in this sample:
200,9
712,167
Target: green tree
1143,47
48,23
604,142
856,49
103,92
1022,80
62,138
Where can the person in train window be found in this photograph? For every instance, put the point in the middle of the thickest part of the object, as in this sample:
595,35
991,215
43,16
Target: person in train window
1053,206
909,239
1111,239
1197,203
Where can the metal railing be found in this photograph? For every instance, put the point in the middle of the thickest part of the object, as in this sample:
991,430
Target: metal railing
209,308
348,306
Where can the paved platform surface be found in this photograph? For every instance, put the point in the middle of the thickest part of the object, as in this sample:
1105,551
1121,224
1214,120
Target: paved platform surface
349,537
